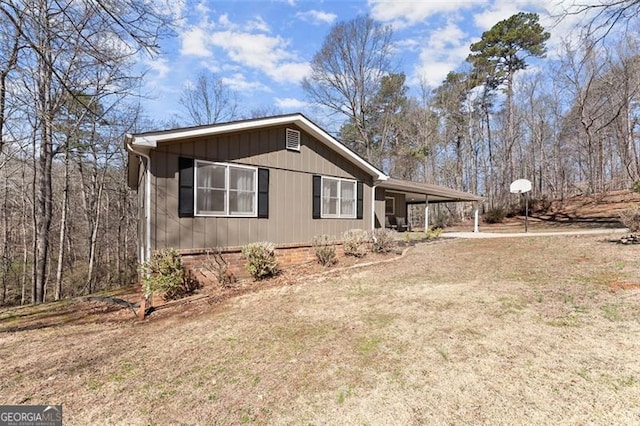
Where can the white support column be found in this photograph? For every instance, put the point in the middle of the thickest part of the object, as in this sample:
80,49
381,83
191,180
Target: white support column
373,207
426,213
475,218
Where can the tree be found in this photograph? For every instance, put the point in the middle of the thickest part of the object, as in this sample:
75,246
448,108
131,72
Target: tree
208,101
451,100
501,52
385,122
347,72
67,45
605,15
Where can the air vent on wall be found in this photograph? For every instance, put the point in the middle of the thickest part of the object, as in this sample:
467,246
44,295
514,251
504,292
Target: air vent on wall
293,140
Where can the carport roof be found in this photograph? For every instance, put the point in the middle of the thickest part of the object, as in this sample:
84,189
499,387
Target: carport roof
416,192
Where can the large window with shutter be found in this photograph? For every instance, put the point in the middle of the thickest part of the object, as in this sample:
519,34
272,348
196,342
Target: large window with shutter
338,198
223,189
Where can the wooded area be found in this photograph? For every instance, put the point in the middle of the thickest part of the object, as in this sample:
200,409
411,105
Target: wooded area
67,97
569,125
65,89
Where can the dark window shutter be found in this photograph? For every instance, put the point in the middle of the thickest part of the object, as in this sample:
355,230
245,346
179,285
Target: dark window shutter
317,184
263,193
359,203
185,183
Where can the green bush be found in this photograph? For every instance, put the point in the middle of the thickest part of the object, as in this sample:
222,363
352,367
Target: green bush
325,249
636,186
164,273
383,240
261,259
631,219
354,242
495,215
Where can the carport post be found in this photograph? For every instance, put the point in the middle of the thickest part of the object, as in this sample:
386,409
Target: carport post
475,217
426,213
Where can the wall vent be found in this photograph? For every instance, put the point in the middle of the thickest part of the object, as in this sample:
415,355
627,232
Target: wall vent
293,140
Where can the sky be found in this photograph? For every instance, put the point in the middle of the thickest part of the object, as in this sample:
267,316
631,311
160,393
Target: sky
261,49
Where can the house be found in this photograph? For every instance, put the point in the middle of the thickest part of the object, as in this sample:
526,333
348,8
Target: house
281,179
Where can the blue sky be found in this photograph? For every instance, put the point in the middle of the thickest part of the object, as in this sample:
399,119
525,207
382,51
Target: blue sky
261,49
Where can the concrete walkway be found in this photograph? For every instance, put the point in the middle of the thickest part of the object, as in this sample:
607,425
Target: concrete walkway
531,234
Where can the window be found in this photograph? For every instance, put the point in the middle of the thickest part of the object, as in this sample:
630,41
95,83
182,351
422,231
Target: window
225,189
338,198
389,205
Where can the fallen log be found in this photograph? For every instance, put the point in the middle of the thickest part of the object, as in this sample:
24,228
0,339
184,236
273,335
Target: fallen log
117,301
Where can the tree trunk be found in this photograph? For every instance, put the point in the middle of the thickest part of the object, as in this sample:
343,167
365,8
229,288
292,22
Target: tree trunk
6,257
63,228
93,238
45,160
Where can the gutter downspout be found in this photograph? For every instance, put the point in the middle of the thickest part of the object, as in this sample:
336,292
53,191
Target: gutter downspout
147,201
373,207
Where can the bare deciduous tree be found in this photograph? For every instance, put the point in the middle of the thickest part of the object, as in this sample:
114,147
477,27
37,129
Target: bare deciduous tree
208,100
347,73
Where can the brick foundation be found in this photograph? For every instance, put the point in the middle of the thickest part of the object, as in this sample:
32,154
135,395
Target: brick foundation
287,255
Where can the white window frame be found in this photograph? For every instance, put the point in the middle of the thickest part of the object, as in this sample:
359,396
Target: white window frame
226,213
393,212
355,199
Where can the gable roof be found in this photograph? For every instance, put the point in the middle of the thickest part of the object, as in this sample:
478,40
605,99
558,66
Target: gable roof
144,142
150,140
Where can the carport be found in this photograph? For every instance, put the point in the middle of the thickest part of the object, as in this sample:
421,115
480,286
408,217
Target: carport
423,193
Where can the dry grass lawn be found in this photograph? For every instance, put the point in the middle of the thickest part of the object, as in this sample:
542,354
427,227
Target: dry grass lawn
502,331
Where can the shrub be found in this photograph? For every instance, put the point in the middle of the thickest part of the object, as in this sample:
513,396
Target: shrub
164,273
354,242
383,240
495,215
433,234
325,250
636,186
218,265
261,259
631,219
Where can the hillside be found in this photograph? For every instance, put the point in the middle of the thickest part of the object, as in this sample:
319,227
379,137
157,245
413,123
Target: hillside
600,209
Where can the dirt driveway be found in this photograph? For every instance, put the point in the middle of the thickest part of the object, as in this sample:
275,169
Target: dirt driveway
500,331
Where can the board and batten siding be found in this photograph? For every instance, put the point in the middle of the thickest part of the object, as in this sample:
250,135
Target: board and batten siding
290,191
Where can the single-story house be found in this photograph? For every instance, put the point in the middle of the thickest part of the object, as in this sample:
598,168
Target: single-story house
281,179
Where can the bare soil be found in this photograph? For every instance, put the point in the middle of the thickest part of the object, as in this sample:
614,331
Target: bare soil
501,331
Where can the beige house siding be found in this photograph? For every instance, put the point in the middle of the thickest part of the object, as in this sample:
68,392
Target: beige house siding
290,191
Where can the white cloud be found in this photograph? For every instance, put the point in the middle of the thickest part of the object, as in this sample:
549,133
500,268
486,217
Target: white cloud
289,72
225,22
290,103
239,83
500,10
409,44
445,38
317,17
270,54
407,13
202,8
254,50
444,51
258,24
194,42
158,65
